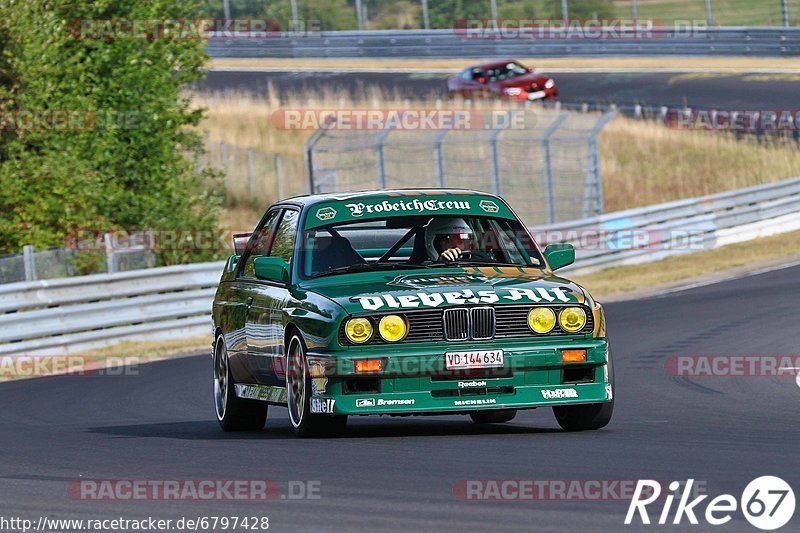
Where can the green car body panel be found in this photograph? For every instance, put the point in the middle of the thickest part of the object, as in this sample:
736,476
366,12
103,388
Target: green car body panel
256,318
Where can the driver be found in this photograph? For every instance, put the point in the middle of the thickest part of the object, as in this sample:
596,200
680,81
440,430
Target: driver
447,238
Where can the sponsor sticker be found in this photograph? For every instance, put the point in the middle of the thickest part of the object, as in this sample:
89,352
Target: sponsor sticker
463,297
468,384
396,401
559,394
477,401
326,213
261,392
319,383
365,402
489,206
422,281
322,405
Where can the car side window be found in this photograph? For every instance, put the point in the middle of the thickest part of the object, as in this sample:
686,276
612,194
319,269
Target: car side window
284,237
259,245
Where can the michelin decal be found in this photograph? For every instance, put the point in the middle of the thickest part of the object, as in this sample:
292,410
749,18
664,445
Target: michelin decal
462,297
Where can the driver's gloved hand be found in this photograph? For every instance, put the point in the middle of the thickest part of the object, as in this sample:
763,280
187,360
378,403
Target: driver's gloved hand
449,255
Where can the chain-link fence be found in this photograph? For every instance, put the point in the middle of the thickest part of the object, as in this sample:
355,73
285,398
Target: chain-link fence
65,262
548,168
252,176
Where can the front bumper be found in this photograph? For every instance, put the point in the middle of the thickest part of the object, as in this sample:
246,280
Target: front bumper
416,383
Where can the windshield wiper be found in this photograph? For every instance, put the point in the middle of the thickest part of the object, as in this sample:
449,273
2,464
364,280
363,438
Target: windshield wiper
364,267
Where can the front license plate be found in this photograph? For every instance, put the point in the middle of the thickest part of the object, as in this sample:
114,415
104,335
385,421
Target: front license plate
480,359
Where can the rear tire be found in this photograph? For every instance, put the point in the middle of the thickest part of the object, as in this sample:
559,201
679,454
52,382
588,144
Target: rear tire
493,417
590,416
298,385
233,413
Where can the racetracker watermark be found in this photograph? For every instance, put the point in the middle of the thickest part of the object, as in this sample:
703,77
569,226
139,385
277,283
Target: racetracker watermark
734,120
577,29
160,240
625,239
401,119
192,489
191,29
29,366
733,365
70,119
549,489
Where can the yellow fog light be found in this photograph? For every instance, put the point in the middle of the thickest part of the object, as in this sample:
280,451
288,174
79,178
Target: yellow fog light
541,319
393,328
572,319
358,330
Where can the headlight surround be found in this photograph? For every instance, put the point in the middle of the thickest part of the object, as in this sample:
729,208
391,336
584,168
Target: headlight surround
572,319
393,328
358,330
541,320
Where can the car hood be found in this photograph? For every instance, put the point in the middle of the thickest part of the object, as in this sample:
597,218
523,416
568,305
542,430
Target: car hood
524,80
444,287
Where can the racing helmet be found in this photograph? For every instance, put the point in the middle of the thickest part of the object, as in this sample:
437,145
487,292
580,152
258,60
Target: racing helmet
441,229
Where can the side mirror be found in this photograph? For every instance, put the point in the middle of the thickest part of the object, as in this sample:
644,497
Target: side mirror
559,255
530,69
271,269
240,242
232,261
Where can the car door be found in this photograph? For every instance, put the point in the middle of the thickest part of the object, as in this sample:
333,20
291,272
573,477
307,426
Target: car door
240,295
265,327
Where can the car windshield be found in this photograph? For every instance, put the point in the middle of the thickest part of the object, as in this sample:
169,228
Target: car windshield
504,72
416,242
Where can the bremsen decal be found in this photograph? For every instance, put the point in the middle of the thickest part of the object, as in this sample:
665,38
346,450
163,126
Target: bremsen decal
397,401
462,297
322,405
558,394
415,206
326,213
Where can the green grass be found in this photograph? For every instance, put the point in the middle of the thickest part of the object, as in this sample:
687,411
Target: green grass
724,12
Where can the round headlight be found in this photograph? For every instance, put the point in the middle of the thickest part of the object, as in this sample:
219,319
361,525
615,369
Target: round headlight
393,328
358,330
541,319
572,319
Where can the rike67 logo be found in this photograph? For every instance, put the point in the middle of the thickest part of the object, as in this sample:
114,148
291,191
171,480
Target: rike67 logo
767,503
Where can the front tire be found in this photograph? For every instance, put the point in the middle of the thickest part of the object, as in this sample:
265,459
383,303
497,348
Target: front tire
493,417
233,413
590,416
298,387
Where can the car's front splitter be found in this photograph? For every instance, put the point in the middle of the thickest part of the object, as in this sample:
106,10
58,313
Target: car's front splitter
523,397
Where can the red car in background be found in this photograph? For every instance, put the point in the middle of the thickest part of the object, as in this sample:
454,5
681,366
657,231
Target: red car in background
505,79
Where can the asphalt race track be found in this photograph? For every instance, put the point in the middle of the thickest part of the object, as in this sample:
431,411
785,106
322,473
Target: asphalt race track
399,473
755,91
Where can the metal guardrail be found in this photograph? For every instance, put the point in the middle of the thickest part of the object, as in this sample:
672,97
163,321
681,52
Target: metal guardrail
654,232
69,314
72,314
415,44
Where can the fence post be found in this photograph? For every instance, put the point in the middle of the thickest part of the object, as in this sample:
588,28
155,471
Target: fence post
108,244
548,169
29,261
279,173
251,178
308,149
709,17
785,12
437,156
379,162
223,159
497,184
594,183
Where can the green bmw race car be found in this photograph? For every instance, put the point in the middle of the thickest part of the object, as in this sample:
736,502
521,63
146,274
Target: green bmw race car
404,302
